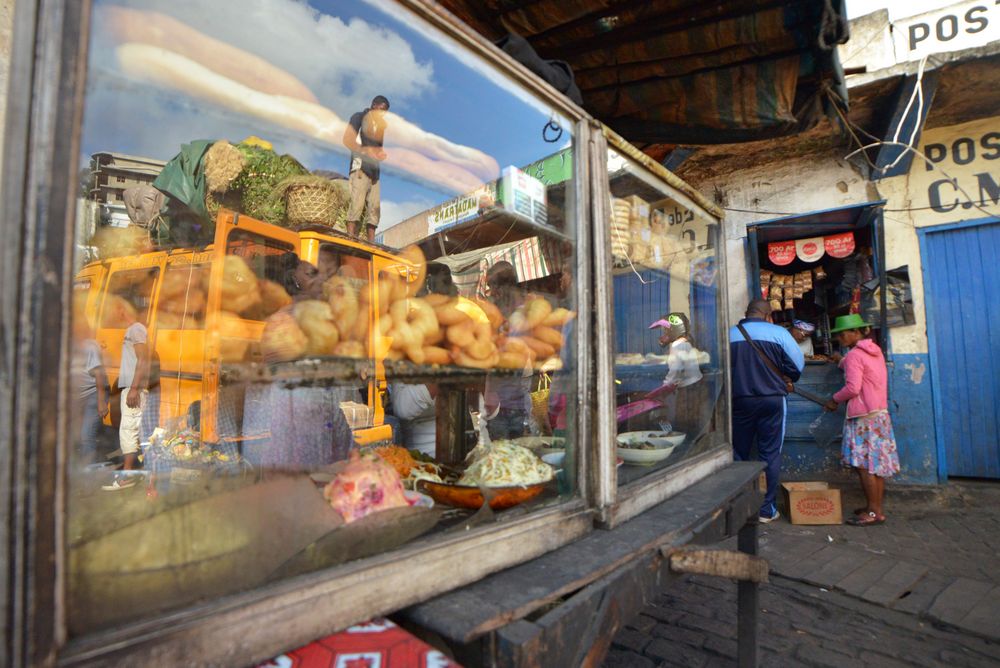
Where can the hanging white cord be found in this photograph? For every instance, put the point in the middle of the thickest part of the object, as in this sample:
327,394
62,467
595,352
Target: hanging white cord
918,95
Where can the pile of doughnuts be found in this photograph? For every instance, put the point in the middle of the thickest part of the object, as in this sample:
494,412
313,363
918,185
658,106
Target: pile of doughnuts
336,325
440,329
533,336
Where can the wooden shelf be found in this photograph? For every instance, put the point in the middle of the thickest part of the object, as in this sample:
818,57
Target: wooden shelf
492,228
321,371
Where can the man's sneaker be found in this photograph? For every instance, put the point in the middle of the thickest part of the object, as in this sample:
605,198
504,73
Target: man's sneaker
764,519
121,481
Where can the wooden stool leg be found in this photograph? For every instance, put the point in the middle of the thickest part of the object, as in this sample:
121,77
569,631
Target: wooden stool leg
747,602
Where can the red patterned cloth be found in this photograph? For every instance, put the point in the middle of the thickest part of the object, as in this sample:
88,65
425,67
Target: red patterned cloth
375,644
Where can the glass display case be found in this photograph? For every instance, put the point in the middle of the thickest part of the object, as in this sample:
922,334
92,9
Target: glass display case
335,319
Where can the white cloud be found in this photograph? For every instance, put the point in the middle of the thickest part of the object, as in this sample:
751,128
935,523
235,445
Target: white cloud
344,63
393,213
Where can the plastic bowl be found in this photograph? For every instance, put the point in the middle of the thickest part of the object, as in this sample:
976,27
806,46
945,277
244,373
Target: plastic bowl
664,445
554,459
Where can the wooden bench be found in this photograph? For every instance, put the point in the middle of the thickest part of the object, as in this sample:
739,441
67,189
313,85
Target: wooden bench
563,608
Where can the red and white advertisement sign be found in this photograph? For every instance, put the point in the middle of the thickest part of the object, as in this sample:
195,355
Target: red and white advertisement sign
809,250
376,644
839,245
781,252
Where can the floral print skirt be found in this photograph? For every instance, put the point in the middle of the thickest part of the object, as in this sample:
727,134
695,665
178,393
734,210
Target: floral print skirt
869,444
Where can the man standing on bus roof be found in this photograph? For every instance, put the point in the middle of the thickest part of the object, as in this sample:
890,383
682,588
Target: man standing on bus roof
765,359
368,126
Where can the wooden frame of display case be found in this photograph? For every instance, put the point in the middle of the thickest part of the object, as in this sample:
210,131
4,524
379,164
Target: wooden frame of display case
43,126
619,504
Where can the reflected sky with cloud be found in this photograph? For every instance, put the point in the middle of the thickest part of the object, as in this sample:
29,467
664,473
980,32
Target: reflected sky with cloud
463,125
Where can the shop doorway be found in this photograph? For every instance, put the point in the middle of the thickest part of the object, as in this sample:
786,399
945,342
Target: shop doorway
962,292
814,267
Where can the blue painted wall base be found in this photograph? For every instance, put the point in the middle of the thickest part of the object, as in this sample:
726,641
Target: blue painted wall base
912,411
911,406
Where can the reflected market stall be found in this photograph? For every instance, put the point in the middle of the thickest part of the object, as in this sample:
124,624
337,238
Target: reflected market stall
401,334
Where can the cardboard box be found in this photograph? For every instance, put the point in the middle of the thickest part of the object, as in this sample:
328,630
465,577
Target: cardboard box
813,503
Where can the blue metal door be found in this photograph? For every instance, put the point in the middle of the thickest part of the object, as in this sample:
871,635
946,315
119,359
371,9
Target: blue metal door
638,301
962,288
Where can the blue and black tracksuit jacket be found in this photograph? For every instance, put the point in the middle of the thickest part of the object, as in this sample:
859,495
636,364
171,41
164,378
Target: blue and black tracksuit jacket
750,375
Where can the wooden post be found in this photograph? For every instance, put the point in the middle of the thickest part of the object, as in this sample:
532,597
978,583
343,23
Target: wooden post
747,601
450,423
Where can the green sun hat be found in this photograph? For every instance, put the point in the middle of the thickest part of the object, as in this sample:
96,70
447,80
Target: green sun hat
846,322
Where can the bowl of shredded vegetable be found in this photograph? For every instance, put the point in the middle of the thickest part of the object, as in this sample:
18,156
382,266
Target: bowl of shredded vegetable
511,474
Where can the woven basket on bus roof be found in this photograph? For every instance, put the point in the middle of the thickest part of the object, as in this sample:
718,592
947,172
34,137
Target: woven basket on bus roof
313,203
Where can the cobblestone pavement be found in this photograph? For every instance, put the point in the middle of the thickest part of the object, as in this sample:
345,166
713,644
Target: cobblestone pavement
693,624
921,590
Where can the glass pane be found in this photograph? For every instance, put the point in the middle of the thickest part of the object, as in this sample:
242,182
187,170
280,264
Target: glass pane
323,263
666,295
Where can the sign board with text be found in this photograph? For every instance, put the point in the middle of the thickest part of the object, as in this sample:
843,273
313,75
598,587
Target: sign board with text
963,25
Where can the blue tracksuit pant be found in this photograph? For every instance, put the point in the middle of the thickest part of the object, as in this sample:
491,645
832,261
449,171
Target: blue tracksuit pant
763,419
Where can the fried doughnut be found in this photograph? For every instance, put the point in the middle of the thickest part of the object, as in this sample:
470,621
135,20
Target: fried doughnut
493,314
389,288
398,288
449,314
360,330
283,340
510,359
403,336
559,317
234,338
384,325
461,335
350,349
436,355
536,311
416,313
273,297
541,349
515,345
434,338
416,257
465,360
343,299
316,320
482,345
416,354
394,355
549,336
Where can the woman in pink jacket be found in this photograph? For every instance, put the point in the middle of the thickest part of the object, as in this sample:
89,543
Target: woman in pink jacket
869,445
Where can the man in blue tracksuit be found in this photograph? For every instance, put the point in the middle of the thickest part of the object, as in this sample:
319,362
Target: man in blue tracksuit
759,395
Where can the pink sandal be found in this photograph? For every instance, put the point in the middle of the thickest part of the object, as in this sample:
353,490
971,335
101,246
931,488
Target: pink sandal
866,519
